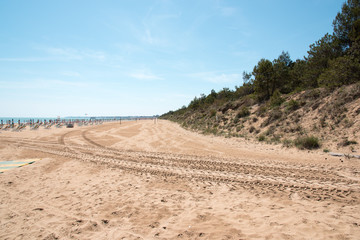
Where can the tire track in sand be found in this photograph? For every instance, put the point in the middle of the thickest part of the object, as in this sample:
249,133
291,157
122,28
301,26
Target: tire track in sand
262,177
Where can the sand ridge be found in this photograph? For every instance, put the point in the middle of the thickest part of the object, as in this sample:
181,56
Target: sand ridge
147,180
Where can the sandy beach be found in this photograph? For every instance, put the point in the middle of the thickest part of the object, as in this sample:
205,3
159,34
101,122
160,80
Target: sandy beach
155,180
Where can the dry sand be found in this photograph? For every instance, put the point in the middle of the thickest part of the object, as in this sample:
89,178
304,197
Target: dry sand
141,180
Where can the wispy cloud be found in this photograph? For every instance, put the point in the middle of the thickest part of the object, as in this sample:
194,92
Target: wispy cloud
250,56
55,82
41,84
64,52
224,10
25,59
155,38
56,54
179,95
70,74
98,55
147,37
227,11
155,23
165,17
76,54
216,77
145,76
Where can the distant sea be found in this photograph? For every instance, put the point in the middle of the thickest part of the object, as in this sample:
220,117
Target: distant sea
87,118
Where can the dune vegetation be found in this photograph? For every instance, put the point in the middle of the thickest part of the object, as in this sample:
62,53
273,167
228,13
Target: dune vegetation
309,103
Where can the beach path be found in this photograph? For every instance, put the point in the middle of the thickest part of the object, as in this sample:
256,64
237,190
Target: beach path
155,180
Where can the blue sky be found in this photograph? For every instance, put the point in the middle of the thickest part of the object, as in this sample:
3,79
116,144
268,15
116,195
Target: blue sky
106,58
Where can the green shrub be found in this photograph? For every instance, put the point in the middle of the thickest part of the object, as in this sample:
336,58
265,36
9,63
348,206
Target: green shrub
273,116
346,142
238,128
276,99
236,119
243,112
308,142
252,129
348,123
261,138
270,130
261,111
275,139
287,143
292,105
311,94
212,113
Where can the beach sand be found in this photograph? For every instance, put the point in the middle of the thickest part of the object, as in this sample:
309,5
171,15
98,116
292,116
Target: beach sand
147,180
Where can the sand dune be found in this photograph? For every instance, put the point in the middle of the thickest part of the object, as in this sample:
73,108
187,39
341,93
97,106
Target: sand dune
146,180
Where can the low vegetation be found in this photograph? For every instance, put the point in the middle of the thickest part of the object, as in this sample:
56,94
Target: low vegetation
307,142
297,103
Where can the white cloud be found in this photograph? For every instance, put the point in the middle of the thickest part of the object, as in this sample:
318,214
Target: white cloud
227,11
149,38
98,55
215,77
145,75
41,84
65,52
224,78
61,53
29,59
166,17
179,95
55,83
75,54
71,74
